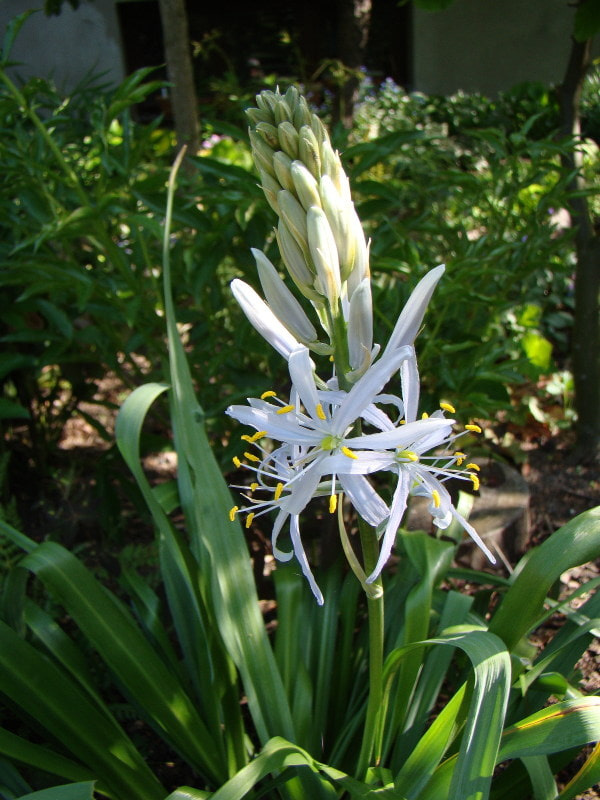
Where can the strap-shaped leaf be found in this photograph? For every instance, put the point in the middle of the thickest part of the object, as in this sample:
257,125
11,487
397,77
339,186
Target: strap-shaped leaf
148,682
49,696
575,543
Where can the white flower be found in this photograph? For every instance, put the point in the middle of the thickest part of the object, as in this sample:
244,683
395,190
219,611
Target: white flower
418,474
319,425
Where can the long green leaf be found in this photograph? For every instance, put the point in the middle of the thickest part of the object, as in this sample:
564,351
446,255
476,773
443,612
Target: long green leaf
20,750
72,791
48,695
575,543
206,499
145,677
472,772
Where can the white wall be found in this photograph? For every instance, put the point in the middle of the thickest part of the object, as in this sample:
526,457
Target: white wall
67,46
491,45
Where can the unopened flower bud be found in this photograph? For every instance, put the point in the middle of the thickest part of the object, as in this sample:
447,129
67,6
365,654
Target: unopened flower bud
338,215
308,151
282,302
305,185
295,262
332,166
302,115
282,112
268,133
282,165
294,217
256,115
288,139
271,188
324,255
262,153
360,327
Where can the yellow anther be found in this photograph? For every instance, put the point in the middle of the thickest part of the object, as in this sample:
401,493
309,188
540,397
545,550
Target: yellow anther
474,428
460,457
285,409
435,496
253,486
331,358
347,452
448,407
320,412
278,491
402,422
249,519
475,481
252,457
237,462
270,393
332,503
476,467
424,415
233,512
407,454
254,438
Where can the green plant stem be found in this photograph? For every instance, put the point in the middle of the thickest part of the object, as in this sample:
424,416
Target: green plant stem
375,609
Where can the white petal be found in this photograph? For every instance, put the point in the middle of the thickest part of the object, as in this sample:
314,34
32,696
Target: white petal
364,498
403,435
365,463
360,324
282,428
409,377
473,534
412,314
303,379
302,560
280,555
283,303
366,388
393,523
263,319
302,488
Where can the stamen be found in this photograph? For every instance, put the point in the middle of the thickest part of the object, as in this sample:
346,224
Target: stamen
254,438
236,462
407,454
284,410
424,415
476,467
320,412
270,393
435,496
332,503
347,452
233,512
460,457
475,482
252,457
253,486
448,407
278,491
249,519
473,427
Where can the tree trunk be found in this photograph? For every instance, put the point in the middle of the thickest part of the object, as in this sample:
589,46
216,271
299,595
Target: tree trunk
180,73
586,328
354,17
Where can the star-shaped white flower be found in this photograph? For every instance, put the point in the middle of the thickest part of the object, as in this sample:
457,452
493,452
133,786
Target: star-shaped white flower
318,437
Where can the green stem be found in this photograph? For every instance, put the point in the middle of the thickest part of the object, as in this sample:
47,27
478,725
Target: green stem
375,609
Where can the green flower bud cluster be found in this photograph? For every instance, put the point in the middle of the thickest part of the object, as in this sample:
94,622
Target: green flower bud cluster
319,234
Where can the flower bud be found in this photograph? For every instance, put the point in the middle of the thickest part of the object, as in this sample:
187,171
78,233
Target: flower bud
302,114
263,155
271,188
256,115
338,215
360,326
282,302
305,185
324,255
293,216
295,262
288,139
283,166
309,151
282,112
269,133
